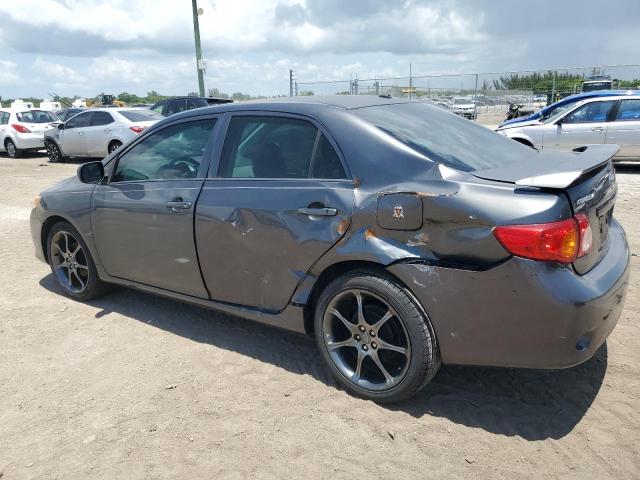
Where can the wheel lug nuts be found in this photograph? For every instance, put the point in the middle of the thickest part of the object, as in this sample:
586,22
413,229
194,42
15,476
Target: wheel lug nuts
372,333
357,337
365,348
362,329
374,345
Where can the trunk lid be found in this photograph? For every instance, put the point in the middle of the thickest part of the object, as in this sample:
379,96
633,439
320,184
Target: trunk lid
586,176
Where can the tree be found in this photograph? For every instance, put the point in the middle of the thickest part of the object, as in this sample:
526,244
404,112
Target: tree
306,93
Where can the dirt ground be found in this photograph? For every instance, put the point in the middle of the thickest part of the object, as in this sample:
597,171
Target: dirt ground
133,386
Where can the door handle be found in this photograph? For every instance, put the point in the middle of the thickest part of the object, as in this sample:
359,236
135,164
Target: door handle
598,129
321,212
177,206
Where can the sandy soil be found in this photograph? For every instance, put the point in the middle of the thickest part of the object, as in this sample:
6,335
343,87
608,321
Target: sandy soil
134,386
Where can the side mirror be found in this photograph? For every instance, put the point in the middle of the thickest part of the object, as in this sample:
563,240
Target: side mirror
61,126
91,172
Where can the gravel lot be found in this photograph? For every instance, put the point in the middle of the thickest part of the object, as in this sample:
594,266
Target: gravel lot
134,386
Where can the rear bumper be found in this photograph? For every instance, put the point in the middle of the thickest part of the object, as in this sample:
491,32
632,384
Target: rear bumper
29,141
522,313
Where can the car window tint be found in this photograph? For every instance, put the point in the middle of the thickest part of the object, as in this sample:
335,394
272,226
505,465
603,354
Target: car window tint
176,106
158,108
37,116
80,120
326,163
196,103
629,111
172,153
591,112
268,147
4,118
101,118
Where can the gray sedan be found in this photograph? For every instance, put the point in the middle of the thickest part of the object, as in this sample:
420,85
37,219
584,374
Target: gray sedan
97,132
398,234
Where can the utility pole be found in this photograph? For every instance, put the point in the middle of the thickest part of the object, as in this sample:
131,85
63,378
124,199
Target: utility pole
290,83
199,61
410,82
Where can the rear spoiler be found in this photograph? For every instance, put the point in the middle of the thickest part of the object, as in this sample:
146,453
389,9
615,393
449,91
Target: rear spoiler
552,169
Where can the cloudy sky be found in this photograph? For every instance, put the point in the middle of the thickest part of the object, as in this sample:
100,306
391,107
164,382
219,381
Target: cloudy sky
87,46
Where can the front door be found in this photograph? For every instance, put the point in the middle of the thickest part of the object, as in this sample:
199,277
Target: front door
142,219
625,129
97,133
280,200
72,137
585,125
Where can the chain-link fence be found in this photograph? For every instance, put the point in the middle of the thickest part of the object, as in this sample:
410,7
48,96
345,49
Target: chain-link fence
490,91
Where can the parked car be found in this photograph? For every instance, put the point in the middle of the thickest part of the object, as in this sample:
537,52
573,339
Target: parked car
97,132
398,234
600,120
67,113
174,105
464,107
24,130
566,103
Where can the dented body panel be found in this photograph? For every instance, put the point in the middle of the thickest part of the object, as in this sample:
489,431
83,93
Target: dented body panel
261,252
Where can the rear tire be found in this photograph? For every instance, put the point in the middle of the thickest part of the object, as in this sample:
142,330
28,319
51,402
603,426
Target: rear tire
11,149
53,152
71,263
374,337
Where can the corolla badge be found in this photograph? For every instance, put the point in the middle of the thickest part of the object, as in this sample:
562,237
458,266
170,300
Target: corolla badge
398,212
585,199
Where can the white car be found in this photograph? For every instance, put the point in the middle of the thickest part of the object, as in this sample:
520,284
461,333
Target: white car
598,120
97,132
24,130
464,107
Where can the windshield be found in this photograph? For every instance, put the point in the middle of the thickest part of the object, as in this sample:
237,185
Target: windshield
141,115
446,138
553,114
37,116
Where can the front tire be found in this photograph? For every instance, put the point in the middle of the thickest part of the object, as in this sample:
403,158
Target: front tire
374,337
71,263
11,149
53,152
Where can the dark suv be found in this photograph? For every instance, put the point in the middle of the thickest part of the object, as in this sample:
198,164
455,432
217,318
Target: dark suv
174,105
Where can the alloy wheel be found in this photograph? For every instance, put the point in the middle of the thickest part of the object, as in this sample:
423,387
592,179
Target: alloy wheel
69,262
52,152
366,340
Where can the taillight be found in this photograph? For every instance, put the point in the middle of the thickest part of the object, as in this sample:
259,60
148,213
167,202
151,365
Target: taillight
562,242
137,130
20,128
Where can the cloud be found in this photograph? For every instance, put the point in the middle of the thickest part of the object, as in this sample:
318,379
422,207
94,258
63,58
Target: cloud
8,73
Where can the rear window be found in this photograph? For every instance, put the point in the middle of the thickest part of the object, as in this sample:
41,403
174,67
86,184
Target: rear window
444,137
37,116
140,115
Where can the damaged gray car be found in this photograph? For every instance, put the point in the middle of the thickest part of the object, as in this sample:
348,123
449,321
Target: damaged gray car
398,234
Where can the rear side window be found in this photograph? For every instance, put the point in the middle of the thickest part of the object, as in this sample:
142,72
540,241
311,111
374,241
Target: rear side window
101,118
175,106
268,147
37,116
326,163
4,118
444,137
140,115
629,111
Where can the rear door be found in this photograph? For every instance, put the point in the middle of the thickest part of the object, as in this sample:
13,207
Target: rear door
585,125
97,133
72,137
142,219
280,199
624,131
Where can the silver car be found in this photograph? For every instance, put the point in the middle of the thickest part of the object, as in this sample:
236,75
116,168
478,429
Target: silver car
600,120
97,132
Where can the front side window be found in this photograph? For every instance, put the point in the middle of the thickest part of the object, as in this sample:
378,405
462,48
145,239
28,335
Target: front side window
590,113
174,152
101,118
629,111
268,147
80,120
